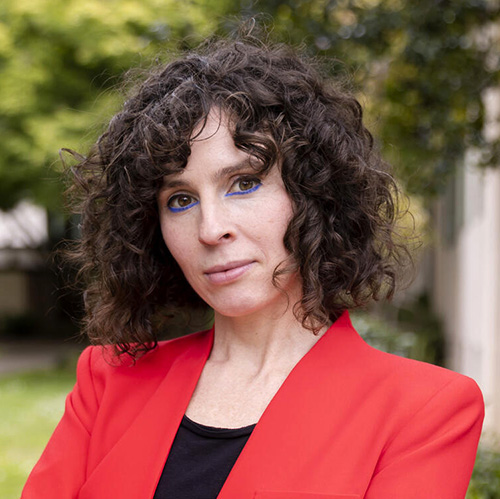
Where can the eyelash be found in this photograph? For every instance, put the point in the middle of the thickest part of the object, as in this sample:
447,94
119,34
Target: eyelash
182,208
257,185
257,181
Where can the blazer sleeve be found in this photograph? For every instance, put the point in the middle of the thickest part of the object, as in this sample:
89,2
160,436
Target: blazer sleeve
432,455
61,470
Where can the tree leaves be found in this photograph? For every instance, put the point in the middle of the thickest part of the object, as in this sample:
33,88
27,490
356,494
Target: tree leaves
61,62
419,68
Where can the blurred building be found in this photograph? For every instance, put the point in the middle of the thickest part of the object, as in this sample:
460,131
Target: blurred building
23,232
31,304
465,282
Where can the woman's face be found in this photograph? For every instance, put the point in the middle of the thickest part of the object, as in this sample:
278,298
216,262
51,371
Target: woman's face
224,225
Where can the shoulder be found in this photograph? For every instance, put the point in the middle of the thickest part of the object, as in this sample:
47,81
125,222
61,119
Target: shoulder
419,380
430,420
394,389
425,420
99,366
414,398
399,376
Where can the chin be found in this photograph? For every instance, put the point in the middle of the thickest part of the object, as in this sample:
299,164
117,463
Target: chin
236,310
241,306
241,302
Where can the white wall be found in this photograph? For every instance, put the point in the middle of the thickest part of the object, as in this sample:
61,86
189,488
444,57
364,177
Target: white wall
466,290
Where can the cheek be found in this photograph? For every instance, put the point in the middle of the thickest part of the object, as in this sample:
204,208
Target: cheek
279,216
271,227
175,243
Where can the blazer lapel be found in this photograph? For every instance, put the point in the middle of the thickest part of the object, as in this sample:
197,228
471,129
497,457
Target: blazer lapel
288,430
133,467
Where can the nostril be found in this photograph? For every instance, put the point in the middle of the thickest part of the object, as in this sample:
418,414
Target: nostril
226,236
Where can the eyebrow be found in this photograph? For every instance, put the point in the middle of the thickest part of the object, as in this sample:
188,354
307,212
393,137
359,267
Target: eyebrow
175,179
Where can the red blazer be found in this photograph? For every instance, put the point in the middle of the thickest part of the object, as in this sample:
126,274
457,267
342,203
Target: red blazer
348,422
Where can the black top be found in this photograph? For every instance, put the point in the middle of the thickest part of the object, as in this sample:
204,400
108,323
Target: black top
200,460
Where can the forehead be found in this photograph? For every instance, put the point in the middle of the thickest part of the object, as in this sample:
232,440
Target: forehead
213,139
213,152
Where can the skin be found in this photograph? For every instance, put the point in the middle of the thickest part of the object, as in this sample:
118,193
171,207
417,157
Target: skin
224,225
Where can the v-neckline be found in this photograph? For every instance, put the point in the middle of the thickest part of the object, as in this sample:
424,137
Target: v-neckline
272,419
134,464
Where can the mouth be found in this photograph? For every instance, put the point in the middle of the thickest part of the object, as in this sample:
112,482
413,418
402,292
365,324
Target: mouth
221,274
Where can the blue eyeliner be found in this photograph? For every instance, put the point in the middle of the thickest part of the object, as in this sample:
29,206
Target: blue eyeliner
184,208
240,193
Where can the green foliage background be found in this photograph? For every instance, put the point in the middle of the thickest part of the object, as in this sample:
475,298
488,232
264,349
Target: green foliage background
418,67
31,405
60,63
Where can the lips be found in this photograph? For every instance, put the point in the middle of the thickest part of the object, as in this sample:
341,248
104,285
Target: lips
228,272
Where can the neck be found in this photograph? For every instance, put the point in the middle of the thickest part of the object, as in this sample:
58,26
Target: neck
262,341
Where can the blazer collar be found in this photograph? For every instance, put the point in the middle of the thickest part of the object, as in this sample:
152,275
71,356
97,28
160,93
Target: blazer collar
133,467
268,460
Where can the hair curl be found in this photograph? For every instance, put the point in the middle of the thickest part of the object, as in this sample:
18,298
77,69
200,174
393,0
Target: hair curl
283,111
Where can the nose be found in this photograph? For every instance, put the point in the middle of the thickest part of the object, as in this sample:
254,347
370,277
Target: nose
215,224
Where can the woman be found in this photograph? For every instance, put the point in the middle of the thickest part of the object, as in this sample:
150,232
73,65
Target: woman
239,176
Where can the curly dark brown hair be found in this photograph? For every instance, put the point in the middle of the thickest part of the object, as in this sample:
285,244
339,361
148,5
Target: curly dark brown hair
283,111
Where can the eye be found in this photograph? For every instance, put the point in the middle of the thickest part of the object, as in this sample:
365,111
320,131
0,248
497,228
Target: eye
181,202
244,185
